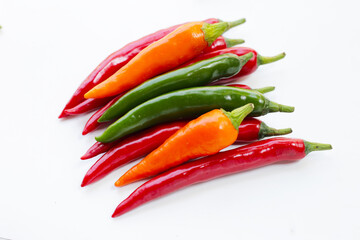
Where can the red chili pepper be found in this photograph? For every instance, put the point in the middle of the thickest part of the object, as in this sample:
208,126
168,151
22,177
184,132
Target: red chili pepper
142,143
115,61
87,106
248,68
92,124
248,157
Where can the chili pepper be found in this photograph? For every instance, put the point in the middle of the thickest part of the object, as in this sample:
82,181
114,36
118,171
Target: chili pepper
179,46
248,68
141,144
240,159
87,106
205,135
115,61
99,147
188,104
93,123
197,74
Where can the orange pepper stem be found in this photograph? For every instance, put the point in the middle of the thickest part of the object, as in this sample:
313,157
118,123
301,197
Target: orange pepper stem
237,116
213,31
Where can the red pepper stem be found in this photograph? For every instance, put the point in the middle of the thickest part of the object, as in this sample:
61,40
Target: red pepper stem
266,131
265,89
311,146
232,42
276,107
265,60
213,31
237,115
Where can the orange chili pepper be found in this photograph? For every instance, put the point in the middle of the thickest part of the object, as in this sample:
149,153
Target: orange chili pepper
206,135
181,45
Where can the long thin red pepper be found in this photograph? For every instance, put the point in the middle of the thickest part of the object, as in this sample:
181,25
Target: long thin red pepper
92,124
244,158
115,61
142,143
248,68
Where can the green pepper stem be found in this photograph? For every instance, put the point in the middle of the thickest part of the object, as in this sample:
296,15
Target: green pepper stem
265,89
311,146
276,107
265,60
245,58
237,23
232,42
237,115
213,31
266,131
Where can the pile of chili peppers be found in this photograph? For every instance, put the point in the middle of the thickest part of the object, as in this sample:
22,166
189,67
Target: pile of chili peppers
162,98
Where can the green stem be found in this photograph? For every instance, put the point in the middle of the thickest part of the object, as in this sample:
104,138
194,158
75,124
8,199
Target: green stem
237,116
311,146
213,31
265,60
266,131
232,42
265,89
245,58
237,22
276,107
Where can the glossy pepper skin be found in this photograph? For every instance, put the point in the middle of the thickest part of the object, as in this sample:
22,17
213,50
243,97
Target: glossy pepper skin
240,159
188,104
99,147
198,74
248,68
87,105
179,46
205,135
142,143
118,59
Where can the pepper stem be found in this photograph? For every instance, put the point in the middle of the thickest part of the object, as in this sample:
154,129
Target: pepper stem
237,115
232,42
265,89
266,131
237,23
213,31
245,58
265,60
311,146
276,107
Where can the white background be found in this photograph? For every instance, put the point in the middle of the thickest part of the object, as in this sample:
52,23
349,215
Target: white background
48,47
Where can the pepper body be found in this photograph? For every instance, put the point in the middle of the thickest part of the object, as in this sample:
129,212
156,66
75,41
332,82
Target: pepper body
247,69
198,74
130,149
93,123
179,46
205,135
117,60
86,106
142,143
187,104
244,158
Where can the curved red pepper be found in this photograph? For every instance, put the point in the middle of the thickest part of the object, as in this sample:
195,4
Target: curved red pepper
87,106
244,158
114,62
140,144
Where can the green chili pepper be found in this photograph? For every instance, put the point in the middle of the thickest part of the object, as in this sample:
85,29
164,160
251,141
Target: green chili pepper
187,104
197,74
